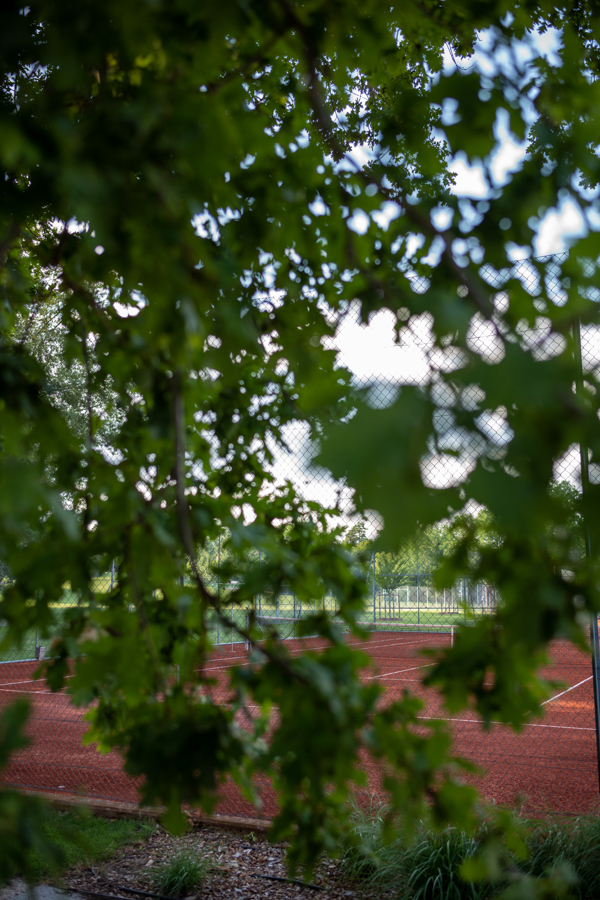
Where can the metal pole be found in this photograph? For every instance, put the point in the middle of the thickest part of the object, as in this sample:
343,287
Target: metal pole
36,629
585,483
418,588
219,594
374,561
112,575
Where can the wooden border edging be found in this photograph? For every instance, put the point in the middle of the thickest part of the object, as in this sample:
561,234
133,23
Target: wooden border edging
115,809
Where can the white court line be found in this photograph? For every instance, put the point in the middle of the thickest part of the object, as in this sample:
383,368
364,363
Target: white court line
398,672
25,691
526,725
392,642
28,681
556,696
562,693
477,722
209,667
368,678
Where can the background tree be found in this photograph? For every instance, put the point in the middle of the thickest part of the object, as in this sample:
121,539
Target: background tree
76,390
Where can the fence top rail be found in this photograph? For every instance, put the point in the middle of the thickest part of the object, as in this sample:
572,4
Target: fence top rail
408,627
260,619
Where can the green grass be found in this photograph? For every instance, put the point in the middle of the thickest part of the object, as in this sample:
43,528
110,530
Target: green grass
26,649
68,601
185,871
429,867
86,839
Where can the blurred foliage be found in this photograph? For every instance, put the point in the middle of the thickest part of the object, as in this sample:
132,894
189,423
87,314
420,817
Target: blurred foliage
179,237
25,836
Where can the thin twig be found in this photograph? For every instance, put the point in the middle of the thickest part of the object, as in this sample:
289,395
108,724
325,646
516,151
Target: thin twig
141,609
97,894
257,57
12,233
88,384
77,890
318,104
306,884
142,893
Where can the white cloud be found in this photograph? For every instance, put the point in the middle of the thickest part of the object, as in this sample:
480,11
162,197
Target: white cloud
557,226
509,156
470,179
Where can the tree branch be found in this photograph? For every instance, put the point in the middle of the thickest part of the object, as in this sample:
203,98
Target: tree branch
187,538
481,299
257,57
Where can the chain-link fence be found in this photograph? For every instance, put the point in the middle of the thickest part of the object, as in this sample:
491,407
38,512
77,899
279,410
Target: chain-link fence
393,602
552,763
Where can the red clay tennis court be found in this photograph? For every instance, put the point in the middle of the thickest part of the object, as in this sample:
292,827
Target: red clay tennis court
550,765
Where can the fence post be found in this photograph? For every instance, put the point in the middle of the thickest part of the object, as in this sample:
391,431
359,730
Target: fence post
585,483
260,595
418,589
219,593
374,560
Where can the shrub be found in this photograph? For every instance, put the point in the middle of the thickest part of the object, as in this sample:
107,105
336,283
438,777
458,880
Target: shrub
426,869
565,852
182,873
431,868
574,844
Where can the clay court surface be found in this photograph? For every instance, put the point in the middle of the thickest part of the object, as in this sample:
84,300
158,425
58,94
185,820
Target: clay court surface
550,765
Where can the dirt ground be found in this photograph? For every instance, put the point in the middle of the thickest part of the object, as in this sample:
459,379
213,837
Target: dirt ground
244,866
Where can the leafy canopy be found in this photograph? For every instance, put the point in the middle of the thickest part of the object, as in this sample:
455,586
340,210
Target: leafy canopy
181,202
